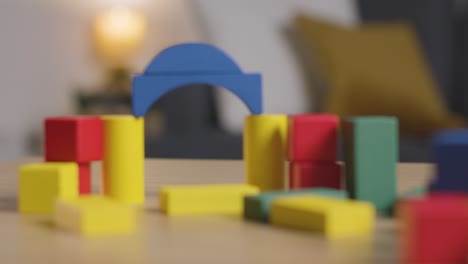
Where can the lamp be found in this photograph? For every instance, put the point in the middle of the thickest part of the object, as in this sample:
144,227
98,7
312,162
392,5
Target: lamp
118,33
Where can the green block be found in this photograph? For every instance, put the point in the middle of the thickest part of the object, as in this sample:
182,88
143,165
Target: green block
371,156
257,207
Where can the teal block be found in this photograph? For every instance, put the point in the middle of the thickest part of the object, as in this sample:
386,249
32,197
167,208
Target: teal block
257,207
371,156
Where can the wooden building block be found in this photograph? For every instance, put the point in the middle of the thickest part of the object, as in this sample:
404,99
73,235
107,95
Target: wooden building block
40,184
204,199
94,216
123,161
264,151
313,137
371,156
257,207
434,229
84,171
450,150
77,138
306,174
333,217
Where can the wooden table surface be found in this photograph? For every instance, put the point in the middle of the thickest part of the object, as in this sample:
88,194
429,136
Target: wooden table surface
188,239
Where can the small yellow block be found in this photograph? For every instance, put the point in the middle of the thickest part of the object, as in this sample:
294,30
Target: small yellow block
205,199
40,184
94,215
333,217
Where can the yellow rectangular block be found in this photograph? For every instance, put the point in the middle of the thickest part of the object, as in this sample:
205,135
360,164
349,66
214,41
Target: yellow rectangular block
333,217
94,215
40,184
204,199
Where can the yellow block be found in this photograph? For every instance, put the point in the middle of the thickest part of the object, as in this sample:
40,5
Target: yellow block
204,199
40,184
123,161
93,215
265,139
333,217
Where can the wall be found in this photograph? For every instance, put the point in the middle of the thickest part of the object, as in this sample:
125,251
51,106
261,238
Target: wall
46,53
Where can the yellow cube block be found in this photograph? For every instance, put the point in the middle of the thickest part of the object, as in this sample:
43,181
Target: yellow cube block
94,215
205,199
333,217
40,184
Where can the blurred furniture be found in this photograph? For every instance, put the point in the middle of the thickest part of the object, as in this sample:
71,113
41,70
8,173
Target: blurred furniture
442,27
375,69
162,239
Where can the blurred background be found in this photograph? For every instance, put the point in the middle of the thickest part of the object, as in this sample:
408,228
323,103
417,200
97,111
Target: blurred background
365,57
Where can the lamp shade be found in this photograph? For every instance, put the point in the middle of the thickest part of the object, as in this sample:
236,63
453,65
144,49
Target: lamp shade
118,33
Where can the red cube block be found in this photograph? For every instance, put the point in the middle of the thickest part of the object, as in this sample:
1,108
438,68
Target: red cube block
84,170
306,174
434,229
76,139
313,137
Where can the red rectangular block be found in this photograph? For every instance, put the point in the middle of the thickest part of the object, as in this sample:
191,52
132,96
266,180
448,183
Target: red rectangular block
76,139
434,229
84,170
313,137
305,174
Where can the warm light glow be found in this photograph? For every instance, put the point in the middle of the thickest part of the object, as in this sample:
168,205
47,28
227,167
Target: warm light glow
118,33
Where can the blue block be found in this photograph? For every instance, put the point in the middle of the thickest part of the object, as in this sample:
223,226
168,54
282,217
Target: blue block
194,63
450,149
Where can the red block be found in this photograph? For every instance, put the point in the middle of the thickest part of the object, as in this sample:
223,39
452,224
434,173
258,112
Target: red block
85,178
76,139
305,174
434,229
313,137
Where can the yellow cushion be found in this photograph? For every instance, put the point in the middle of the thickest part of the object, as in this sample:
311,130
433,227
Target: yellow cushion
376,69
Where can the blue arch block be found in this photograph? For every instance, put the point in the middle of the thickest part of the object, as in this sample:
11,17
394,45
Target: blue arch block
192,58
148,89
194,63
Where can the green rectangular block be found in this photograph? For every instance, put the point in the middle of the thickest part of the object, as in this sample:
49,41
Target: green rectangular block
257,207
371,156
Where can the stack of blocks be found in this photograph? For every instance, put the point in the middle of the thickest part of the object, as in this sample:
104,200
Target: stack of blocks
315,200
312,151
62,184
434,227
308,141
77,140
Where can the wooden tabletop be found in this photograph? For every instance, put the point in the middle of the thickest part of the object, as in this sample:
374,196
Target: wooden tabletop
188,239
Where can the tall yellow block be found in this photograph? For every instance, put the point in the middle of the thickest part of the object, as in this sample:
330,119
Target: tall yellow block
40,184
333,217
265,139
123,161
93,215
205,199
